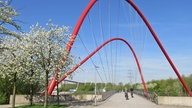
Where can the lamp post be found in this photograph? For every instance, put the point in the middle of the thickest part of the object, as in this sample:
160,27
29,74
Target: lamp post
96,67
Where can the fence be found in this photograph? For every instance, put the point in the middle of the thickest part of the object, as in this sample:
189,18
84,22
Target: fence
24,99
152,96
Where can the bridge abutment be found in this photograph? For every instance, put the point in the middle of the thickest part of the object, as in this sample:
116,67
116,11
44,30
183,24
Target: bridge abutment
176,101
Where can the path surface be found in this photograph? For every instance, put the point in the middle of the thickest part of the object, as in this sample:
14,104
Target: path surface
118,101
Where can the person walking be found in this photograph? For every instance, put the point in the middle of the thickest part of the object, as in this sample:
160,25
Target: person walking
126,94
131,92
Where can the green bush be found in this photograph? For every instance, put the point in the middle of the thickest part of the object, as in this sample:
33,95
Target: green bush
86,87
67,87
2,98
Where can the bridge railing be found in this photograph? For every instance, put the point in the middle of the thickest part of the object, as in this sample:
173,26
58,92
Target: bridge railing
107,94
153,97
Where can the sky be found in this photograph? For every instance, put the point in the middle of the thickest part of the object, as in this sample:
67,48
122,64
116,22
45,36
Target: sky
170,19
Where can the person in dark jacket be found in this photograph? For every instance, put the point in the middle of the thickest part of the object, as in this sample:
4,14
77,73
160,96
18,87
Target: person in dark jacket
131,92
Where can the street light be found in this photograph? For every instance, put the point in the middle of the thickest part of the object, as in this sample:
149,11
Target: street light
96,67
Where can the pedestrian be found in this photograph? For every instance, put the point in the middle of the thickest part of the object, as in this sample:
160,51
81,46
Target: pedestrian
126,94
131,92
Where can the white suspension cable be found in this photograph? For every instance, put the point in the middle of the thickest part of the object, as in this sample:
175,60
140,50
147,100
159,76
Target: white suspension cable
90,58
103,40
96,45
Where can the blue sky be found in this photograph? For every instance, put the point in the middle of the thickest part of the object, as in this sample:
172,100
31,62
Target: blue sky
170,19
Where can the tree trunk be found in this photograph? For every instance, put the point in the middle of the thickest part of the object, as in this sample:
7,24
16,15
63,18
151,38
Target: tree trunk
31,91
46,90
57,94
14,90
32,86
31,95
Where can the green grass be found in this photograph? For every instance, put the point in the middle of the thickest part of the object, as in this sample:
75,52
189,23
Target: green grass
41,106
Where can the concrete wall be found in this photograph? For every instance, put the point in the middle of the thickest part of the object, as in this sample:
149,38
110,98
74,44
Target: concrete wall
177,101
20,99
24,99
87,97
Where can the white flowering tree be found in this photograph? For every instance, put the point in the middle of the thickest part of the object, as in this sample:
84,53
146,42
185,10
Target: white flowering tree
46,49
16,64
7,15
35,56
7,25
11,62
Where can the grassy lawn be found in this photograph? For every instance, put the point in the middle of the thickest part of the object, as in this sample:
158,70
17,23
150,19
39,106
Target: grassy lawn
41,106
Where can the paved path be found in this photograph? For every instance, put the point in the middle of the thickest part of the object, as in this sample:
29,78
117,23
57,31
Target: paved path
118,101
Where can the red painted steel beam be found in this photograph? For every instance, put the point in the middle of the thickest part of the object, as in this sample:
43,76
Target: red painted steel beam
79,23
90,55
160,45
53,82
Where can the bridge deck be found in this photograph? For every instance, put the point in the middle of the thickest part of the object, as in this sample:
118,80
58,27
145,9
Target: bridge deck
118,101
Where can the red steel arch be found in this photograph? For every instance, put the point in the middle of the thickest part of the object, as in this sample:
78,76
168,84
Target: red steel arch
90,55
72,39
69,45
160,45
78,25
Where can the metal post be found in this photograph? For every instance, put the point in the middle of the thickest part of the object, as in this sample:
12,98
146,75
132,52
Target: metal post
96,85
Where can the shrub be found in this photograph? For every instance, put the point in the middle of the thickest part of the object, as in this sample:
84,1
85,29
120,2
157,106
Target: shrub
2,98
